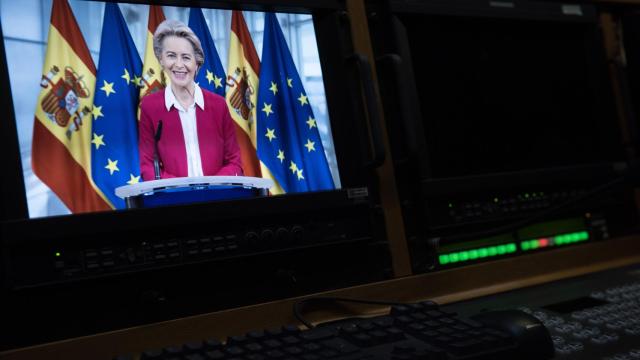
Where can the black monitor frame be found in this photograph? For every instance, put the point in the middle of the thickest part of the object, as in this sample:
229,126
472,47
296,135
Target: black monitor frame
425,197
271,248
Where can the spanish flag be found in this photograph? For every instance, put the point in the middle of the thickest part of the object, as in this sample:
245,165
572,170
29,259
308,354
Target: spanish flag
152,78
61,150
243,69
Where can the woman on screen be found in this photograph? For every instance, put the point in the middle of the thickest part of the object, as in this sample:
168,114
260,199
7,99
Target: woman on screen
187,129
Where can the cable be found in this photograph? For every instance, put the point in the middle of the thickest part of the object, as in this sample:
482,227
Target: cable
297,312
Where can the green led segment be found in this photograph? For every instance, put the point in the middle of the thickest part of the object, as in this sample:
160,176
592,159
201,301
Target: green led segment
479,253
562,239
58,254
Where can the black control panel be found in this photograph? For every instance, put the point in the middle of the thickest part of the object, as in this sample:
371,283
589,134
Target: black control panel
233,240
590,317
108,253
500,205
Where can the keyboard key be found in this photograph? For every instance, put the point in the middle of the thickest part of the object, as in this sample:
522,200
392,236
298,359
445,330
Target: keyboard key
432,323
395,334
400,310
316,334
194,357
290,340
363,339
340,346
311,357
430,334
234,350
435,314
405,319
311,347
293,350
445,331
275,354
256,335
366,326
253,347
378,335
273,343
384,321
328,354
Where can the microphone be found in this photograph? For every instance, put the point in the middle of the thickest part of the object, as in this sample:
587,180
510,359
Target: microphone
156,160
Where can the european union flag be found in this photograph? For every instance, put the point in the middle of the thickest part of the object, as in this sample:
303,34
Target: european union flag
289,143
211,76
114,149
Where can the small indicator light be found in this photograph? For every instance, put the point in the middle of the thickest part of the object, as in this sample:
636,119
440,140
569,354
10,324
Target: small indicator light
58,254
543,242
444,259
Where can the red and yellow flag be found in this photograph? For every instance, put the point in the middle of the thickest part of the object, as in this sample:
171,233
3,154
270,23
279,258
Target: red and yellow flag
243,70
152,79
61,149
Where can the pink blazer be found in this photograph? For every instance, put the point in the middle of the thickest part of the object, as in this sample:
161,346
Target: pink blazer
219,149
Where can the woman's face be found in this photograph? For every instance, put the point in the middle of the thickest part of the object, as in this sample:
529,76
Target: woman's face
178,60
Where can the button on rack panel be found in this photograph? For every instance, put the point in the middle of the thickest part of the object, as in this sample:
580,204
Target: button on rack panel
139,252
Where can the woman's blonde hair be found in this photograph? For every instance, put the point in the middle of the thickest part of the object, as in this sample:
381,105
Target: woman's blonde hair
178,29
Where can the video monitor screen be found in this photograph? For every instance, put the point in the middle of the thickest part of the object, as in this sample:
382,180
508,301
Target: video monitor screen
505,95
233,93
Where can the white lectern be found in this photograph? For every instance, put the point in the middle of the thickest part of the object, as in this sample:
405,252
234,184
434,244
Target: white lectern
188,190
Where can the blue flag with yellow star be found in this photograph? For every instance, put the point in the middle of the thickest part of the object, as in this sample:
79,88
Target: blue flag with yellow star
289,143
211,76
114,144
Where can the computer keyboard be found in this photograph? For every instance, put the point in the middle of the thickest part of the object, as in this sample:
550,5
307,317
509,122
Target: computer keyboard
415,331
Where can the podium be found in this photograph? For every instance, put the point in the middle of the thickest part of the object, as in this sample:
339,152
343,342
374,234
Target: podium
189,190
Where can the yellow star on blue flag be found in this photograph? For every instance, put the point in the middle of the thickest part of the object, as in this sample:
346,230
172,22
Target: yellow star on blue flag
212,78
116,117
288,114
